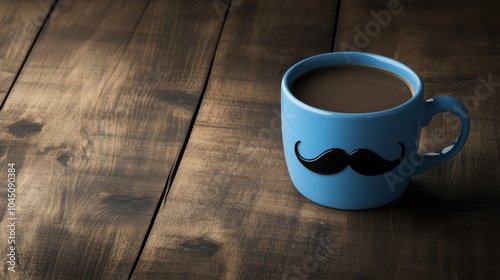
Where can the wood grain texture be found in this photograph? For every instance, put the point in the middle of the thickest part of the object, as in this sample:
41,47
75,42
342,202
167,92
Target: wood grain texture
446,225
20,22
98,116
232,212
94,124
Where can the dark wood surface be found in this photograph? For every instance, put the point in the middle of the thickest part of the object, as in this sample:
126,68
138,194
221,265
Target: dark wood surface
147,142
21,22
94,124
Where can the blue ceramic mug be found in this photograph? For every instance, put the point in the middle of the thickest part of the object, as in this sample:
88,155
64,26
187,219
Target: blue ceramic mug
358,180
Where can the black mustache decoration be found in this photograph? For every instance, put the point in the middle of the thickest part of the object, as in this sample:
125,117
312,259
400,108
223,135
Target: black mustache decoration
363,161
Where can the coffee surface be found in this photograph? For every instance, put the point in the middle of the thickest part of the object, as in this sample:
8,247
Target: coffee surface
351,89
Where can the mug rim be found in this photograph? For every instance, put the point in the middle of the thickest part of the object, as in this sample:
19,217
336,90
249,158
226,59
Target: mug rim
345,58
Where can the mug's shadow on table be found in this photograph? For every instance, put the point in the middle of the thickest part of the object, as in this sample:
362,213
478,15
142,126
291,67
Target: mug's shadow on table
424,203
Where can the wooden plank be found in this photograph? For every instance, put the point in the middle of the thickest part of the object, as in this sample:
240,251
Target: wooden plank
94,125
445,226
231,212
21,22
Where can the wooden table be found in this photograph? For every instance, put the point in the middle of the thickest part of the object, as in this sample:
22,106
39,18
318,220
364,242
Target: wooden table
145,142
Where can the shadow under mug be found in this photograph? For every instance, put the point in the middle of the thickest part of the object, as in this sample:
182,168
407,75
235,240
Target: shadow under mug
313,137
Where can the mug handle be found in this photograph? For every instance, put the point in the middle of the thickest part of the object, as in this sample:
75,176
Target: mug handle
432,107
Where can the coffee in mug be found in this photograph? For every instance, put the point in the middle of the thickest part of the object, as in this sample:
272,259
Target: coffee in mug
351,89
